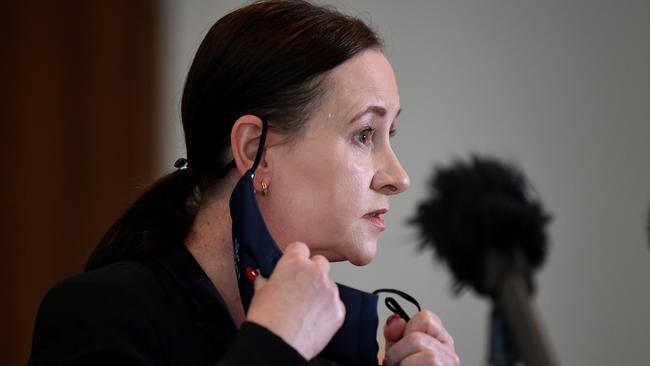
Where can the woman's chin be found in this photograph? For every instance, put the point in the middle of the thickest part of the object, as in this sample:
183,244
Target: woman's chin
363,256
359,255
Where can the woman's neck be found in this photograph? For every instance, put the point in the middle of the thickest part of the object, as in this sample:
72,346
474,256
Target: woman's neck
210,242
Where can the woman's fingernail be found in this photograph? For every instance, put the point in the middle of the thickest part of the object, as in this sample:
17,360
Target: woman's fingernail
392,318
251,274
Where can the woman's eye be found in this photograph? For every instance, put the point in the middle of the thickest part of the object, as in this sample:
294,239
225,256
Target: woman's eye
365,135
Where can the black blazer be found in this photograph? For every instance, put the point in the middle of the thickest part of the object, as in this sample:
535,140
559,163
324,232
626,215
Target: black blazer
160,311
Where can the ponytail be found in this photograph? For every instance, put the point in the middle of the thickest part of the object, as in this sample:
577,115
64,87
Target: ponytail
160,219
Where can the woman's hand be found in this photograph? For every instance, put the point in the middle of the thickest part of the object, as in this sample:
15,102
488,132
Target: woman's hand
299,302
421,341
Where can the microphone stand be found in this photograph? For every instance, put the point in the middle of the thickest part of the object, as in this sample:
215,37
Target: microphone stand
500,343
514,320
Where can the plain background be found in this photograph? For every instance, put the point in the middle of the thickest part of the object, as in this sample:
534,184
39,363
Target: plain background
77,112
561,88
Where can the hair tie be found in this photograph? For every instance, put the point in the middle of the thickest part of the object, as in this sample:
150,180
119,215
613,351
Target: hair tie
182,165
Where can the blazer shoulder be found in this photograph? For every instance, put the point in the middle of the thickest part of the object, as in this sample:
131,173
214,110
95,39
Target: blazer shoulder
104,311
119,285
123,283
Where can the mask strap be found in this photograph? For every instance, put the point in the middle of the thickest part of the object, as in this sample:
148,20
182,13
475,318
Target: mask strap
260,148
394,306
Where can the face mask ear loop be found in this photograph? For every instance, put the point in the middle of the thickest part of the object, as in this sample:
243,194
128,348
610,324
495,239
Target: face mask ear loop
260,148
394,306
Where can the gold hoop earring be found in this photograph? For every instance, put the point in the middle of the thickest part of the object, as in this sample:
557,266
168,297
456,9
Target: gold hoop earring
265,188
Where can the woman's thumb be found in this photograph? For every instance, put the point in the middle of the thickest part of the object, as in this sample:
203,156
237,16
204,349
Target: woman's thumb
259,282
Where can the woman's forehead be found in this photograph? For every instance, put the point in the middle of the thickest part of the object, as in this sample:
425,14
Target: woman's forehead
365,83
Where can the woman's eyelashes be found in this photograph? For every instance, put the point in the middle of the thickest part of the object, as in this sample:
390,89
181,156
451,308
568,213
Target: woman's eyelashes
365,135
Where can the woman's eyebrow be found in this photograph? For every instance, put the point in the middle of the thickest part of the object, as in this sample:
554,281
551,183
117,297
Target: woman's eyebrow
376,109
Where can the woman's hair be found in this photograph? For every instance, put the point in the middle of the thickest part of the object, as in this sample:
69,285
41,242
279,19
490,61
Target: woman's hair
267,59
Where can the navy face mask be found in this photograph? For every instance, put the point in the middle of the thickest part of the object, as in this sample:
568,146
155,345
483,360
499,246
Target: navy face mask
254,249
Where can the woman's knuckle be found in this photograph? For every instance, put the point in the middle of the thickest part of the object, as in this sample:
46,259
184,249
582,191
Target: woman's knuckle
293,256
301,266
321,276
321,262
333,290
319,258
299,245
338,314
292,248
415,338
429,357
431,315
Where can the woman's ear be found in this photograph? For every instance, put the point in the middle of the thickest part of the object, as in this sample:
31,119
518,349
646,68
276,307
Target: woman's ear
245,140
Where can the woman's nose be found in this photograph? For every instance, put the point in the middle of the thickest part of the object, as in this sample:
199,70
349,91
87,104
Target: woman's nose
391,178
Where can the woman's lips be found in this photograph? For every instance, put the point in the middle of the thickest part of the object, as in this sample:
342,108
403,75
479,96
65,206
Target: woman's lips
375,218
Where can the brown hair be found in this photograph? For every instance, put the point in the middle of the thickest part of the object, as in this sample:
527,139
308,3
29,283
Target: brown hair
265,59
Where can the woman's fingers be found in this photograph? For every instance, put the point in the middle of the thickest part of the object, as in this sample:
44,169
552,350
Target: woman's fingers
427,358
298,249
418,343
259,282
429,323
321,262
393,330
424,341
296,299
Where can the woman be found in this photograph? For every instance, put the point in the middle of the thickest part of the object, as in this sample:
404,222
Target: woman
161,287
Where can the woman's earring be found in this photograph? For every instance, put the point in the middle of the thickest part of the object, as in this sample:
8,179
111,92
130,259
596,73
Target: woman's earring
265,188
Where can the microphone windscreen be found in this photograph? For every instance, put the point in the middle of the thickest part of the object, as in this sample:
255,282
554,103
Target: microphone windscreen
476,208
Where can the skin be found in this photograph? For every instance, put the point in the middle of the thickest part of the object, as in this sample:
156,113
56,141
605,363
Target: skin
322,184
339,166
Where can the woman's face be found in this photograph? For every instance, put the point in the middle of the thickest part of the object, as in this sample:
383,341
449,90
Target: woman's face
330,186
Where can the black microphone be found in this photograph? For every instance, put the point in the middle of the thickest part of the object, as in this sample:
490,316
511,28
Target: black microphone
484,220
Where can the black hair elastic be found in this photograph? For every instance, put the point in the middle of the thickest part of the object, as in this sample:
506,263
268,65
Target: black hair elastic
182,164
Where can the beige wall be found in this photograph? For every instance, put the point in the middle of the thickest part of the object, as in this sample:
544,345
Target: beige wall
560,87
